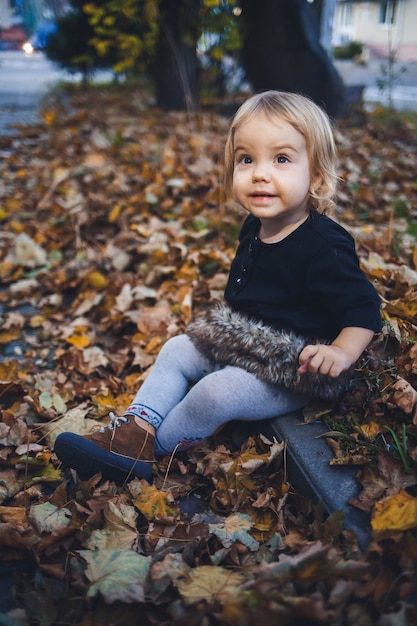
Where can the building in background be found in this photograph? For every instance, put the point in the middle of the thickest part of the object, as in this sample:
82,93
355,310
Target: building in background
24,18
12,29
380,25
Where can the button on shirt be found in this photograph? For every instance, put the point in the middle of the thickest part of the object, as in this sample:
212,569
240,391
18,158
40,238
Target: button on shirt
310,282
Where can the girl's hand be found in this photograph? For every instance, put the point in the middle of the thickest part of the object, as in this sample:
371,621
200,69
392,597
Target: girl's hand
339,356
328,360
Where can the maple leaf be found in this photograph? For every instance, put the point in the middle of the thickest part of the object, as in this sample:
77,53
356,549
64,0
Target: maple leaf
211,583
235,528
74,420
116,574
156,504
47,517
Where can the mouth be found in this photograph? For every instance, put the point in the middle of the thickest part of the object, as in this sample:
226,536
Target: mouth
262,194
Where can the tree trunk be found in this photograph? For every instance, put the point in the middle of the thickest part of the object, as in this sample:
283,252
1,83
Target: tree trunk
175,71
326,24
282,50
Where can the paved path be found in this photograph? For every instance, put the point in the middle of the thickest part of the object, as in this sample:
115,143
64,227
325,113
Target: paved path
24,80
405,86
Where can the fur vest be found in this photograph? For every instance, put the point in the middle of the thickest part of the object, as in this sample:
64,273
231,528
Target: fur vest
228,337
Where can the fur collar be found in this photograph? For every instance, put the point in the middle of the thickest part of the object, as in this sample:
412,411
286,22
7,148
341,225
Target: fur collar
228,337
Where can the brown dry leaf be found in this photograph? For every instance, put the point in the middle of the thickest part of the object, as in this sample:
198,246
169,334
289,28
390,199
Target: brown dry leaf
12,537
10,335
119,527
14,431
404,396
250,459
384,481
167,571
15,515
406,309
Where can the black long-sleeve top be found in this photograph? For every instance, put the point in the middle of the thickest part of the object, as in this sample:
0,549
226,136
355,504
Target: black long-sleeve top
310,282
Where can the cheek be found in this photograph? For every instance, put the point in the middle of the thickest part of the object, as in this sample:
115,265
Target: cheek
236,181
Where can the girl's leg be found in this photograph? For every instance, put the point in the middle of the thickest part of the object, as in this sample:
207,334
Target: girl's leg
221,396
126,447
178,365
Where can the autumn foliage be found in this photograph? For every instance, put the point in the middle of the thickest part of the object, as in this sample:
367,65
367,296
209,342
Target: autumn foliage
115,232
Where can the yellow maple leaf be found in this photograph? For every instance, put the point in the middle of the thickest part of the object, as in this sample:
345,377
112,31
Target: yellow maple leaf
79,340
398,512
155,504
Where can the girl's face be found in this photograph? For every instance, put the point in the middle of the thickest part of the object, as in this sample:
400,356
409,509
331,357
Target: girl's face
271,177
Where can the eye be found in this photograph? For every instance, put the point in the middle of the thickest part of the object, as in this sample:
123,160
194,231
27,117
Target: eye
282,159
244,159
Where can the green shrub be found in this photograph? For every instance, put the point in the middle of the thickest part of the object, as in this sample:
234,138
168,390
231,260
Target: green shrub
349,51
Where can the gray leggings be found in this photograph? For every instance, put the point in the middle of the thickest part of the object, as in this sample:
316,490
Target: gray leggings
186,398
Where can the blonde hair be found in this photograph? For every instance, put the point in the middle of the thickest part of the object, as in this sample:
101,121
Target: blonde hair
309,120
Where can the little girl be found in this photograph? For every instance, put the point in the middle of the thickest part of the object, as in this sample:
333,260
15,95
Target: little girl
298,310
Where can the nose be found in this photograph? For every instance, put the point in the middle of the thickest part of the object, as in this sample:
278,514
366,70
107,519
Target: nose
261,172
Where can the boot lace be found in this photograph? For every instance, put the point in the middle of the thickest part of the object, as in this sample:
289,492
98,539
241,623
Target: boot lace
115,421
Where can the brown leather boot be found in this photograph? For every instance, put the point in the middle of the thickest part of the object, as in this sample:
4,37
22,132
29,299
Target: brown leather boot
124,436
122,450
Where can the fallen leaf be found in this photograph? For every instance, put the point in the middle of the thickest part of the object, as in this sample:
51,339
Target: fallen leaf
155,504
211,584
397,512
47,518
235,528
117,575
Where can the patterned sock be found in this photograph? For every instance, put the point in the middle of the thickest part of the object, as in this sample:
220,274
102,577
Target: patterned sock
145,413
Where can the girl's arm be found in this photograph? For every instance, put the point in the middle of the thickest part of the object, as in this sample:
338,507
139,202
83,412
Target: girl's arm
337,357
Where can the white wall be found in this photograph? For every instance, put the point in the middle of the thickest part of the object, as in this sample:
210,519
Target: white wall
5,16
364,27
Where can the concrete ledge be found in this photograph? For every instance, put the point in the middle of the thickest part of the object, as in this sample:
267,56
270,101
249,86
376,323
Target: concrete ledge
311,475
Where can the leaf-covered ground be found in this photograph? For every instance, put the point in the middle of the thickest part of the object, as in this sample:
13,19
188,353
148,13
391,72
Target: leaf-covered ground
115,232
